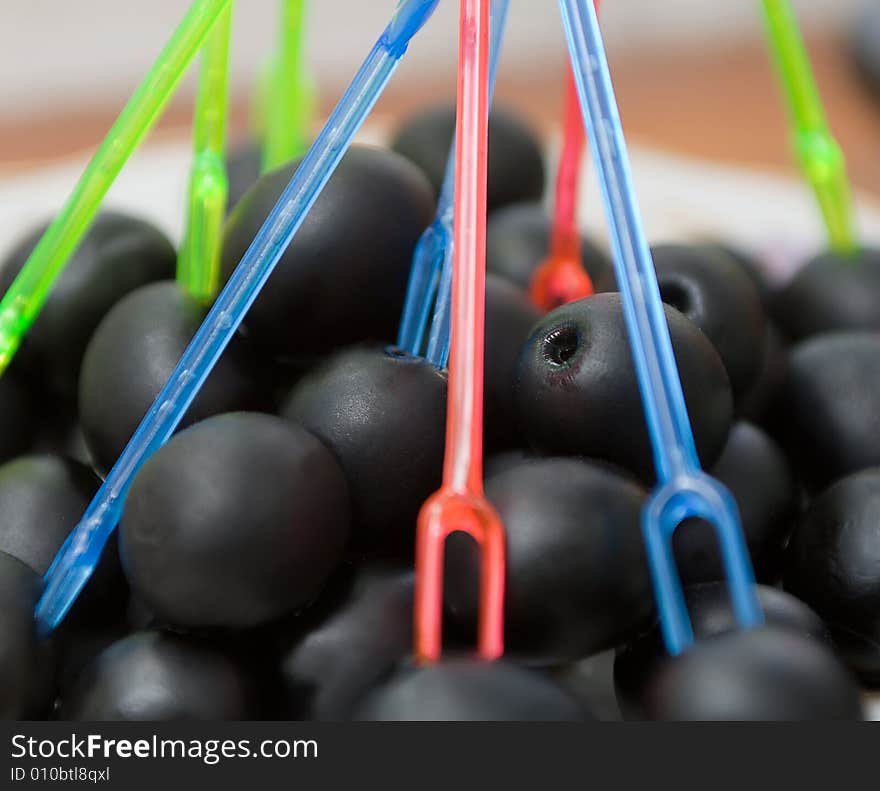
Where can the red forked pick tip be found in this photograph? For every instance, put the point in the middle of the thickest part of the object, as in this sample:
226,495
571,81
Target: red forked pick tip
443,514
559,281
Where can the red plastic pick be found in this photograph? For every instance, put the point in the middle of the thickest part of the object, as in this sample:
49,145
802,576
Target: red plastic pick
460,505
561,278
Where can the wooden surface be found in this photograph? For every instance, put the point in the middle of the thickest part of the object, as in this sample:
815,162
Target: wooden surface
722,105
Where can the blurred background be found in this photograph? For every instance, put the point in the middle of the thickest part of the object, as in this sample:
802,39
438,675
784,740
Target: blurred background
60,54
692,75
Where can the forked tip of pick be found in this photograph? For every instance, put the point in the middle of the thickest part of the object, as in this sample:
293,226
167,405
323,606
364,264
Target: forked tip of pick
558,282
444,513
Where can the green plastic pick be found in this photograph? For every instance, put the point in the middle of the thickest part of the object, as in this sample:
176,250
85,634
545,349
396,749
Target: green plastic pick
818,152
22,303
198,264
290,108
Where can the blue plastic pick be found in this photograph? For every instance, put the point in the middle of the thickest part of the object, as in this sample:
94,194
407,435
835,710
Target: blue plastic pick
683,489
430,279
74,564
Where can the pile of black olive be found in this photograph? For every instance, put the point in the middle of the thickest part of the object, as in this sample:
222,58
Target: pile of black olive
263,567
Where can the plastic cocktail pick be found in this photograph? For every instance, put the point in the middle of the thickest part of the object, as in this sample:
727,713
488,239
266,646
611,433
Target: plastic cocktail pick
683,489
291,93
561,278
78,557
460,505
23,301
818,152
198,263
432,261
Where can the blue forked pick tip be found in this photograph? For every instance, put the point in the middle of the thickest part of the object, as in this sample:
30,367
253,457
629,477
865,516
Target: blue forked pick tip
429,259
696,496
